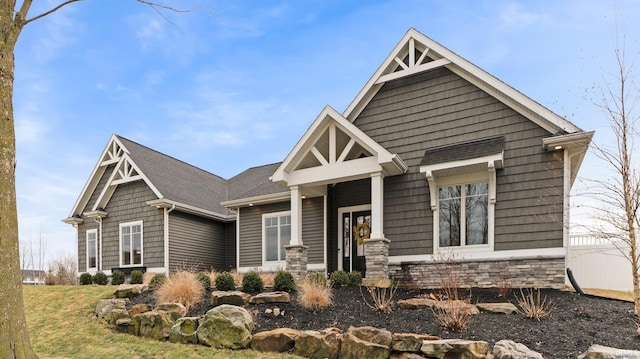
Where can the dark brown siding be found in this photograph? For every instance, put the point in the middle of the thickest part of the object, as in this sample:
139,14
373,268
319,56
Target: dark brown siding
251,232
438,108
128,204
313,229
352,193
196,242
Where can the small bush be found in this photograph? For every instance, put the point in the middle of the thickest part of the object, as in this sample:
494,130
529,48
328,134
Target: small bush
117,277
339,278
85,279
314,295
533,306
181,287
252,283
204,279
100,278
284,281
224,281
355,279
381,297
503,288
136,277
452,315
157,281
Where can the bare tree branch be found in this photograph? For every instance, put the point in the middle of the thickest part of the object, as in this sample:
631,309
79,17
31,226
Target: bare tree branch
50,11
157,7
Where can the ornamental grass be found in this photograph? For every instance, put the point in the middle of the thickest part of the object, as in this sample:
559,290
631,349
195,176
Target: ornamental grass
181,287
314,295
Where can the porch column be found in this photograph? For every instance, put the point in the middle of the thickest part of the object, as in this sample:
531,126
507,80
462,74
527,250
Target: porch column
377,247
296,252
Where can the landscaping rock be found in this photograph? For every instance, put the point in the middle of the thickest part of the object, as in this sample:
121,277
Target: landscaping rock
416,303
229,297
126,326
507,349
318,345
355,348
455,349
105,306
155,325
184,331
226,326
172,308
139,308
420,302
597,351
409,342
116,315
270,297
279,340
456,305
129,290
406,355
498,308
374,335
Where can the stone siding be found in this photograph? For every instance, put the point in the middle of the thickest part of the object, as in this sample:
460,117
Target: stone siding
377,258
517,273
297,261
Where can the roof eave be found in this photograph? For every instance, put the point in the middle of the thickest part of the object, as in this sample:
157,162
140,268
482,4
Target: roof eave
264,199
166,203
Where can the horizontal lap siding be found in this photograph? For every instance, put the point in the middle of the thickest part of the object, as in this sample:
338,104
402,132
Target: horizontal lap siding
352,193
439,108
230,246
251,232
196,242
313,229
128,204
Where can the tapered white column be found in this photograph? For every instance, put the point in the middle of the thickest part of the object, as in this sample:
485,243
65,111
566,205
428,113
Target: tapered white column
296,216
377,205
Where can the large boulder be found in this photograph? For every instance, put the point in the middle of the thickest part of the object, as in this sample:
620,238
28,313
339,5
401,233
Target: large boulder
355,348
507,349
497,308
116,315
597,351
139,308
129,290
172,308
154,324
318,345
126,326
270,297
184,331
455,349
374,335
229,297
226,326
409,342
279,340
105,306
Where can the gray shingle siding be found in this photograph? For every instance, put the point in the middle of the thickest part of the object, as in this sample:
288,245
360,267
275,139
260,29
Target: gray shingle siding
196,243
439,108
313,229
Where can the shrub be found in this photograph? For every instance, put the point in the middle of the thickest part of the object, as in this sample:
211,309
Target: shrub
117,277
452,315
284,281
339,278
533,306
100,278
355,279
503,288
181,287
314,295
452,310
85,279
225,281
136,277
381,297
252,282
157,281
204,280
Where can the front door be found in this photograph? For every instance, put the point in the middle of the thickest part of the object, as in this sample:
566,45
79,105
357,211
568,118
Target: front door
356,228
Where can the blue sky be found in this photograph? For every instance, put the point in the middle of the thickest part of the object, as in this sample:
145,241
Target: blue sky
235,84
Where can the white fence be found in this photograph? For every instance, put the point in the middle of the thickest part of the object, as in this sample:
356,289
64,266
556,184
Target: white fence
598,263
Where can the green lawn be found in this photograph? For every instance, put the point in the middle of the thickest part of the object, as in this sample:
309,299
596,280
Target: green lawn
61,325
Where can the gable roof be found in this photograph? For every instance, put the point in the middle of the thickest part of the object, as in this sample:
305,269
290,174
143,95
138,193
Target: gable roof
416,53
463,151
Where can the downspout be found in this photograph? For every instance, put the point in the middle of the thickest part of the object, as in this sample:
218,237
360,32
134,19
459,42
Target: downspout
166,237
99,221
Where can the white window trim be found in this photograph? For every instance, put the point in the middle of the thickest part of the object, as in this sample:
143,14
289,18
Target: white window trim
95,232
436,182
265,262
131,224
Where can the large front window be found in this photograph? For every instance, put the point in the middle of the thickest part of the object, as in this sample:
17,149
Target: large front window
131,244
277,235
463,217
92,249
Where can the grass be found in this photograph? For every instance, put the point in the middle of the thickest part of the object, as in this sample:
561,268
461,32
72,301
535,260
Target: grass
61,326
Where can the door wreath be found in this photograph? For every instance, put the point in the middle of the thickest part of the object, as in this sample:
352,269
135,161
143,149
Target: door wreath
362,232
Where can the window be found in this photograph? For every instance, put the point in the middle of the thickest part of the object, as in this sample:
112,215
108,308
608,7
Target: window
92,249
464,225
276,235
131,244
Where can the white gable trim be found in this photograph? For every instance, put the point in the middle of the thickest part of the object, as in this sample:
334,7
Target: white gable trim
334,168
470,72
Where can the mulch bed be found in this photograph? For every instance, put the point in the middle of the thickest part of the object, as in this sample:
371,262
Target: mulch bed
576,323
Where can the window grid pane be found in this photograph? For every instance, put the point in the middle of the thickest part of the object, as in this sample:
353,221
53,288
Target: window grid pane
476,213
449,223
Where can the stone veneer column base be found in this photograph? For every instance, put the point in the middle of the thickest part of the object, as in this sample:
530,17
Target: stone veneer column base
518,273
297,260
376,252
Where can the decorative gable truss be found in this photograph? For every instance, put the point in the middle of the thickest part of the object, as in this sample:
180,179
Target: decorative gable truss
411,58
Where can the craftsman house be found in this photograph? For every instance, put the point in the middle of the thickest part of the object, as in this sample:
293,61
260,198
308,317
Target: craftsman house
434,159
